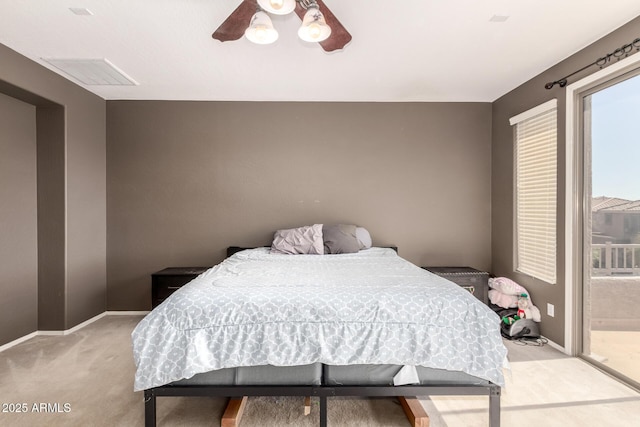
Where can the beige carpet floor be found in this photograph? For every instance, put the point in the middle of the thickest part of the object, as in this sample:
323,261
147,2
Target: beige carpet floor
86,379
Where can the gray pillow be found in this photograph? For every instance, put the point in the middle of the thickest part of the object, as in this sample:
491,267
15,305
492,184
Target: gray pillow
301,240
364,238
340,239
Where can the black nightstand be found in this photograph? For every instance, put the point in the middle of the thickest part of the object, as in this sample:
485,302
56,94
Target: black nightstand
167,281
475,281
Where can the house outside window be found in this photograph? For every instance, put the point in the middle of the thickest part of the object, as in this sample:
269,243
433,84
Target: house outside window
536,191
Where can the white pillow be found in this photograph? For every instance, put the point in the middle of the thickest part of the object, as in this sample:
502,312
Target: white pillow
299,241
364,238
506,286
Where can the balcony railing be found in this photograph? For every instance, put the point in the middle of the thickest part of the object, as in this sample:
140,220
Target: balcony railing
611,259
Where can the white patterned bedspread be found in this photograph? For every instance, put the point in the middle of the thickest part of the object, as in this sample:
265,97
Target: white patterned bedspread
372,307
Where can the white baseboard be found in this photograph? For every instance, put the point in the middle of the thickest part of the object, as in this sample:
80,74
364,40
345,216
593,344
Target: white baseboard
72,330
17,341
75,328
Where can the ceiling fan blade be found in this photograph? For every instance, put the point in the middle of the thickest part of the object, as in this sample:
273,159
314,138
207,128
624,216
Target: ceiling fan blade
233,27
339,37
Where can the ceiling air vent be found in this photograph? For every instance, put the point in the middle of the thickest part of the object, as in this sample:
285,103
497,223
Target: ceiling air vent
499,18
92,71
81,11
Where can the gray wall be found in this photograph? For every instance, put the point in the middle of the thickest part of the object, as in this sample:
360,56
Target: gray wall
187,179
52,283
77,117
526,96
18,221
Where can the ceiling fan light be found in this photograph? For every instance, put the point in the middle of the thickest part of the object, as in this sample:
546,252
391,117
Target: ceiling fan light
278,7
261,29
314,28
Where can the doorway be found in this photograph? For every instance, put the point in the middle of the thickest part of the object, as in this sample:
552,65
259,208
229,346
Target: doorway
610,320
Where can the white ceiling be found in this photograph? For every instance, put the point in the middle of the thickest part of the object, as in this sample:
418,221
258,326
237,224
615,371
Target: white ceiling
410,50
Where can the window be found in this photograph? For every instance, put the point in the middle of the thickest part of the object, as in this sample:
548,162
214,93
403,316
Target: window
535,191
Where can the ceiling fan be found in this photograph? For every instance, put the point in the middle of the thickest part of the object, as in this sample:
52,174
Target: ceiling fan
243,17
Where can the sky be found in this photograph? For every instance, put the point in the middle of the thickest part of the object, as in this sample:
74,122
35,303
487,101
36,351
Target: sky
616,140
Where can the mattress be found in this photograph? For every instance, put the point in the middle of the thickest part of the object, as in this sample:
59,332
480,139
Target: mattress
385,374
363,375
369,308
259,375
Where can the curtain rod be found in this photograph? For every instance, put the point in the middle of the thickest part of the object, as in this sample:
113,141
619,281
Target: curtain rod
619,53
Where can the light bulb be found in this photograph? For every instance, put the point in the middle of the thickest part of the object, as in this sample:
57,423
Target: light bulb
276,4
314,28
261,32
278,7
314,31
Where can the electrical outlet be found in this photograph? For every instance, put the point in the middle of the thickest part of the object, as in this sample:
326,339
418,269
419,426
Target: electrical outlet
551,310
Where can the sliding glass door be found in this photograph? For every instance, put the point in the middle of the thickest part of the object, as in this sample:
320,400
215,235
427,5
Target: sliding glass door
611,220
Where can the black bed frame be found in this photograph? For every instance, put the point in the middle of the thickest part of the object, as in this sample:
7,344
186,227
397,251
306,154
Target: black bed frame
322,391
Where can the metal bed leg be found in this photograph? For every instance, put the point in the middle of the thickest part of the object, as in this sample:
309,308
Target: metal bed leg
494,406
149,408
323,411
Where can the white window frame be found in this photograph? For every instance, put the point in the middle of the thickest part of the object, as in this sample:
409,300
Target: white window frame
536,182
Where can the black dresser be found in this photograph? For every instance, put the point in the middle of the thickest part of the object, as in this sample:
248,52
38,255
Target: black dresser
475,281
167,281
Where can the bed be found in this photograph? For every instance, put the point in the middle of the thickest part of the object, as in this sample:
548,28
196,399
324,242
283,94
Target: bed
362,324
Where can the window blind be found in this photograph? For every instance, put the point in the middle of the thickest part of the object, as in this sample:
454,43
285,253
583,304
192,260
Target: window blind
536,187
